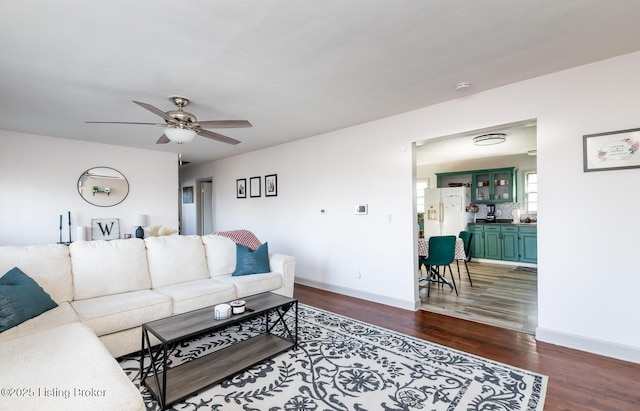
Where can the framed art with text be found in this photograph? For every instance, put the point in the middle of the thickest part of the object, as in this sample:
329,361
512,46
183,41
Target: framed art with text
614,150
254,187
105,229
271,185
241,188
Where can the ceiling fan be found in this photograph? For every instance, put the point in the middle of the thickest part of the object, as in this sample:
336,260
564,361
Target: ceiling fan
182,127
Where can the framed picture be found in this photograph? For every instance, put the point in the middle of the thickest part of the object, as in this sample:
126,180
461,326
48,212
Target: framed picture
187,195
105,229
254,187
271,185
614,150
241,188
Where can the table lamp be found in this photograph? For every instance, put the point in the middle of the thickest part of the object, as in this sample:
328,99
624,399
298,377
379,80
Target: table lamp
141,221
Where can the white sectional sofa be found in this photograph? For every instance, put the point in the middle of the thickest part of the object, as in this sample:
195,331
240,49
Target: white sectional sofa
105,291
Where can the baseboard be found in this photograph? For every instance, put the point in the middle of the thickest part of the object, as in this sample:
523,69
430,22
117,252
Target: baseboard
593,346
376,298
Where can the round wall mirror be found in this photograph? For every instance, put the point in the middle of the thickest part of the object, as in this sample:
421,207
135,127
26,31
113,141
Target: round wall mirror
103,186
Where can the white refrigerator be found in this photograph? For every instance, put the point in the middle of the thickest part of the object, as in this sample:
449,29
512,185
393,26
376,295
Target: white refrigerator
445,211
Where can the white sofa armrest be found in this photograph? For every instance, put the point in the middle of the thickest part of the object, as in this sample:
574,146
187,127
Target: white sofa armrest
285,265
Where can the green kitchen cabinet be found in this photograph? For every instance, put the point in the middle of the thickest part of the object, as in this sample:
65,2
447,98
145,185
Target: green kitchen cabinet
510,243
477,241
505,242
492,242
497,185
528,244
494,186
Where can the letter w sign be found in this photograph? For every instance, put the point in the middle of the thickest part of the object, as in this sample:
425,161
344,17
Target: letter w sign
105,229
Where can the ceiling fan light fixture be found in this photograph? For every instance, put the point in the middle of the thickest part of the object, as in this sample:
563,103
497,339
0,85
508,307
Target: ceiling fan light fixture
180,135
489,139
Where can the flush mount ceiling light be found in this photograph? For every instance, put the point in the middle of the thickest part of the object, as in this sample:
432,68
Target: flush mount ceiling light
180,135
489,139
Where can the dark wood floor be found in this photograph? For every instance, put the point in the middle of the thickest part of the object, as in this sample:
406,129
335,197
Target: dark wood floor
577,380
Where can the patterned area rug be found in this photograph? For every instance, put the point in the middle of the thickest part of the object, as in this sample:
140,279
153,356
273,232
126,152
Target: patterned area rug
344,364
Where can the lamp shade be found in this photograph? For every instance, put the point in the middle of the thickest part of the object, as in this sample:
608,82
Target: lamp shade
180,135
140,221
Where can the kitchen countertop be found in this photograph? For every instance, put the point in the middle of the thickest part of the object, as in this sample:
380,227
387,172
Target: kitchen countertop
504,222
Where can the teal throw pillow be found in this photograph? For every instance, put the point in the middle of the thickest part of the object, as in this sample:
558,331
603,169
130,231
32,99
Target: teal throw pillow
21,298
251,262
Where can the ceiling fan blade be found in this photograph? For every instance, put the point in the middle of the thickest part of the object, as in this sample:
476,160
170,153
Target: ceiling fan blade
163,139
217,137
123,122
224,124
156,111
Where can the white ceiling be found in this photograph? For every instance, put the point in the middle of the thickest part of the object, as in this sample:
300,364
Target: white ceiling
520,137
293,68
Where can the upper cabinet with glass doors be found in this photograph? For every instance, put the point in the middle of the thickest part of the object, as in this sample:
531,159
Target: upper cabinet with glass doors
494,186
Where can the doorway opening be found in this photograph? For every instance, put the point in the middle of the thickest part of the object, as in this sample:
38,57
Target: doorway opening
504,291
205,206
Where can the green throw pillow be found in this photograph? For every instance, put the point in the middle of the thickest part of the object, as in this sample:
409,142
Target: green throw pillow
251,261
21,298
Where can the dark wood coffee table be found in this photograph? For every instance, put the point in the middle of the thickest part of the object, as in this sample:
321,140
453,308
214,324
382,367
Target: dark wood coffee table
170,385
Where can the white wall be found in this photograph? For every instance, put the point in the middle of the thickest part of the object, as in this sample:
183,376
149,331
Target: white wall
39,177
333,248
588,280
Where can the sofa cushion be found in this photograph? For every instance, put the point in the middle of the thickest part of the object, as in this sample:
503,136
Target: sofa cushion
175,259
65,368
221,254
49,265
126,342
251,261
253,283
108,267
198,294
55,317
118,312
21,298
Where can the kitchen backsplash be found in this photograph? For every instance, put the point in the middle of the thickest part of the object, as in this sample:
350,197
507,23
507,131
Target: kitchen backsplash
505,210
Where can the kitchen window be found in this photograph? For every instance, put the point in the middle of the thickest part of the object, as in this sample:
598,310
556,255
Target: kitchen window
531,191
